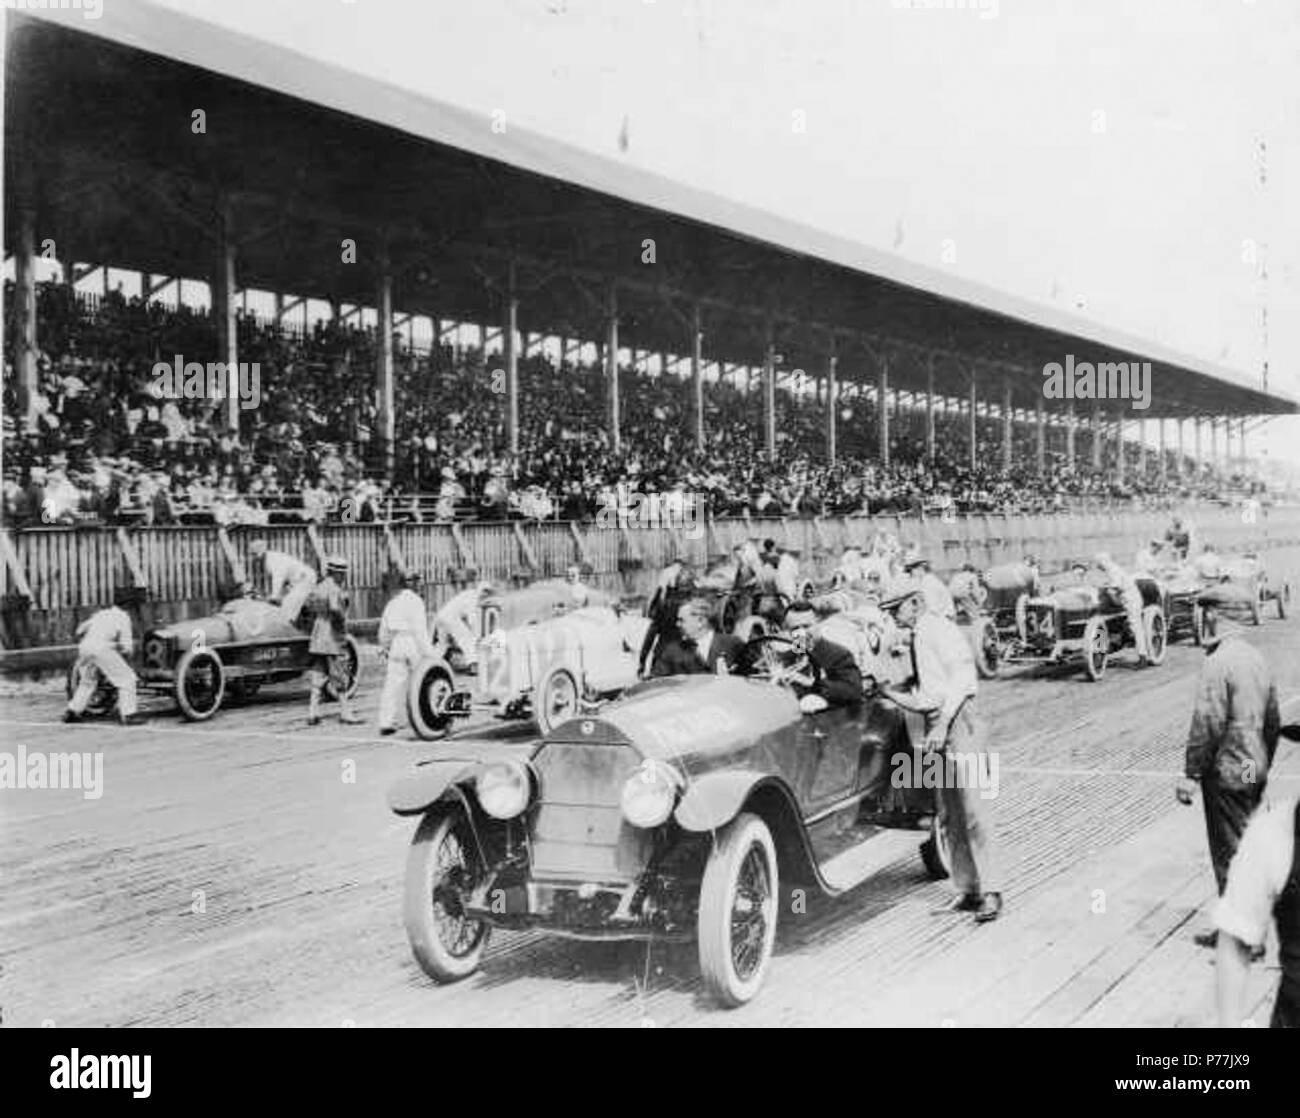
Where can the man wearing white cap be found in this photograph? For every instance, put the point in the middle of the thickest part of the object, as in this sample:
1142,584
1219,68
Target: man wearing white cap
937,598
327,605
1231,742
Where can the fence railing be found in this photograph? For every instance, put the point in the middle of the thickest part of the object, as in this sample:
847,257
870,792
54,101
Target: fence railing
51,577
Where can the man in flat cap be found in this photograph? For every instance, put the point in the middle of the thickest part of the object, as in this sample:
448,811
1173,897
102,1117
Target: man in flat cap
1231,742
327,606
944,691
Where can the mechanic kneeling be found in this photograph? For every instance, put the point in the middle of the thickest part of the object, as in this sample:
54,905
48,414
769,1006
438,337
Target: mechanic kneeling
835,680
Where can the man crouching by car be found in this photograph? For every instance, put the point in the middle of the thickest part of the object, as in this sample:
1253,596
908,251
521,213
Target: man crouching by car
944,691
106,641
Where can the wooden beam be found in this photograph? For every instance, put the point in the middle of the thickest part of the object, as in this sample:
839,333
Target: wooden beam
132,560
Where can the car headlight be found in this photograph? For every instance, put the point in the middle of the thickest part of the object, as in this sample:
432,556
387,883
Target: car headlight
650,794
503,789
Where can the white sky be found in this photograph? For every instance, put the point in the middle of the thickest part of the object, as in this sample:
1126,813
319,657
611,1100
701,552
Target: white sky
1100,156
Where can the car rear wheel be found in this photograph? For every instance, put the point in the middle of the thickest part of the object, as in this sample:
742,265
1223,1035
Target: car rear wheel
345,672
104,697
986,648
935,854
737,913
1096,648
200,684
556,698
442,869
430,690
1153,622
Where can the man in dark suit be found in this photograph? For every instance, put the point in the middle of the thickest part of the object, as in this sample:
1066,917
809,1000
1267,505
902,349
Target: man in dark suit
702,649
836,680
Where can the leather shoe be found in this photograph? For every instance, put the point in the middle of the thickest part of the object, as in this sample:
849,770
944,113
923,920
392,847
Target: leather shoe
990,907
135,720
71,716
968,903
1207,939
386,731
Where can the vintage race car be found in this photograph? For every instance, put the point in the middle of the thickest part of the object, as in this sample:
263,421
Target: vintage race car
548,669
1082,623
233,652
1244,588
675,812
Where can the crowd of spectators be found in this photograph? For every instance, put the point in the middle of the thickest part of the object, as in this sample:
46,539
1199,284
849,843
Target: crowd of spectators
107,449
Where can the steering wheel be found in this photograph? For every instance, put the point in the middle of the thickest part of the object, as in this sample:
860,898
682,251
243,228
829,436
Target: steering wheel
767,651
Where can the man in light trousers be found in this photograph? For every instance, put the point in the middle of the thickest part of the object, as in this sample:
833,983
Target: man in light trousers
404,639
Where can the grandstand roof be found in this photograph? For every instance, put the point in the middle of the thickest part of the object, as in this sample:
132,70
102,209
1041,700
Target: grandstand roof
305,154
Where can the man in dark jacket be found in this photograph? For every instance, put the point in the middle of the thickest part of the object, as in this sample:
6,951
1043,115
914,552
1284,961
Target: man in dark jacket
835,679
1231,742
701,648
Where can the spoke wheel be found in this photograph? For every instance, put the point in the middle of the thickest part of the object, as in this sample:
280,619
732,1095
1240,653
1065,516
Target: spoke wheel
442,870
738,910
426,700
1157,634
556,699
105,694
1096,648
988,652
200,684
345,672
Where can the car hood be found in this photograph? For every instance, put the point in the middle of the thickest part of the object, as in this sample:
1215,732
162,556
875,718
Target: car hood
703,718
241,620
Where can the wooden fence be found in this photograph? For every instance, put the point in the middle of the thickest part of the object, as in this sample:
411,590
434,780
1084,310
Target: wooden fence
53,577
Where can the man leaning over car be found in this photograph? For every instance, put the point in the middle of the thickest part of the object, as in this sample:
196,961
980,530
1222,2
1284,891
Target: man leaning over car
836,680
944,691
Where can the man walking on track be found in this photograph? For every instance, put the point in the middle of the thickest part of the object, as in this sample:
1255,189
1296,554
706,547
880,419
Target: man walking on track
327,605
1230,746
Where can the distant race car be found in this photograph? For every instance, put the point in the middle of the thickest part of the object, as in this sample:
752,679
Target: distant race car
677,811
245,644
540,656
1244,588
1082,624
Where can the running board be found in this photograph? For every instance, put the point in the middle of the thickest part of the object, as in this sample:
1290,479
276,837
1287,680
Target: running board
868,857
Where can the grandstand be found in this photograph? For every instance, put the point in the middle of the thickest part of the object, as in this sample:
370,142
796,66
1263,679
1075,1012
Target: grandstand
497,347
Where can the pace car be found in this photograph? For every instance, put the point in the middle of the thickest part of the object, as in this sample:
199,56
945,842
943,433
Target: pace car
245,644
676,812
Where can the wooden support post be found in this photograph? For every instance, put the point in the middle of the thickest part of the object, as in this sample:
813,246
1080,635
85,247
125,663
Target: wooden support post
384,367
697,373
611,367
25,312
511,336
132,560
17,575
882,399
232,557
831,418
525,548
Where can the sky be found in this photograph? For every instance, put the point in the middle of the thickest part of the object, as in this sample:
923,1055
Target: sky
1137,163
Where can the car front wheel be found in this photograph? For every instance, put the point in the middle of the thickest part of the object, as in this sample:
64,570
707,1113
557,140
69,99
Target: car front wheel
430,690
1096,648
200,684
1153,621
987,651
104,697
556,699
737,912
345,672
442,870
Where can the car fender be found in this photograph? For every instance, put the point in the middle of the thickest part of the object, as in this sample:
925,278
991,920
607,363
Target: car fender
715,799
435,781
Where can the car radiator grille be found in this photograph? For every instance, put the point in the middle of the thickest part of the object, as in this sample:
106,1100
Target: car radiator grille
579,832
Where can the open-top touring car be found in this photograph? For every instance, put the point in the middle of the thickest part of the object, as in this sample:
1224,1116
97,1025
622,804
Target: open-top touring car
674,812
1244,588
233,652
